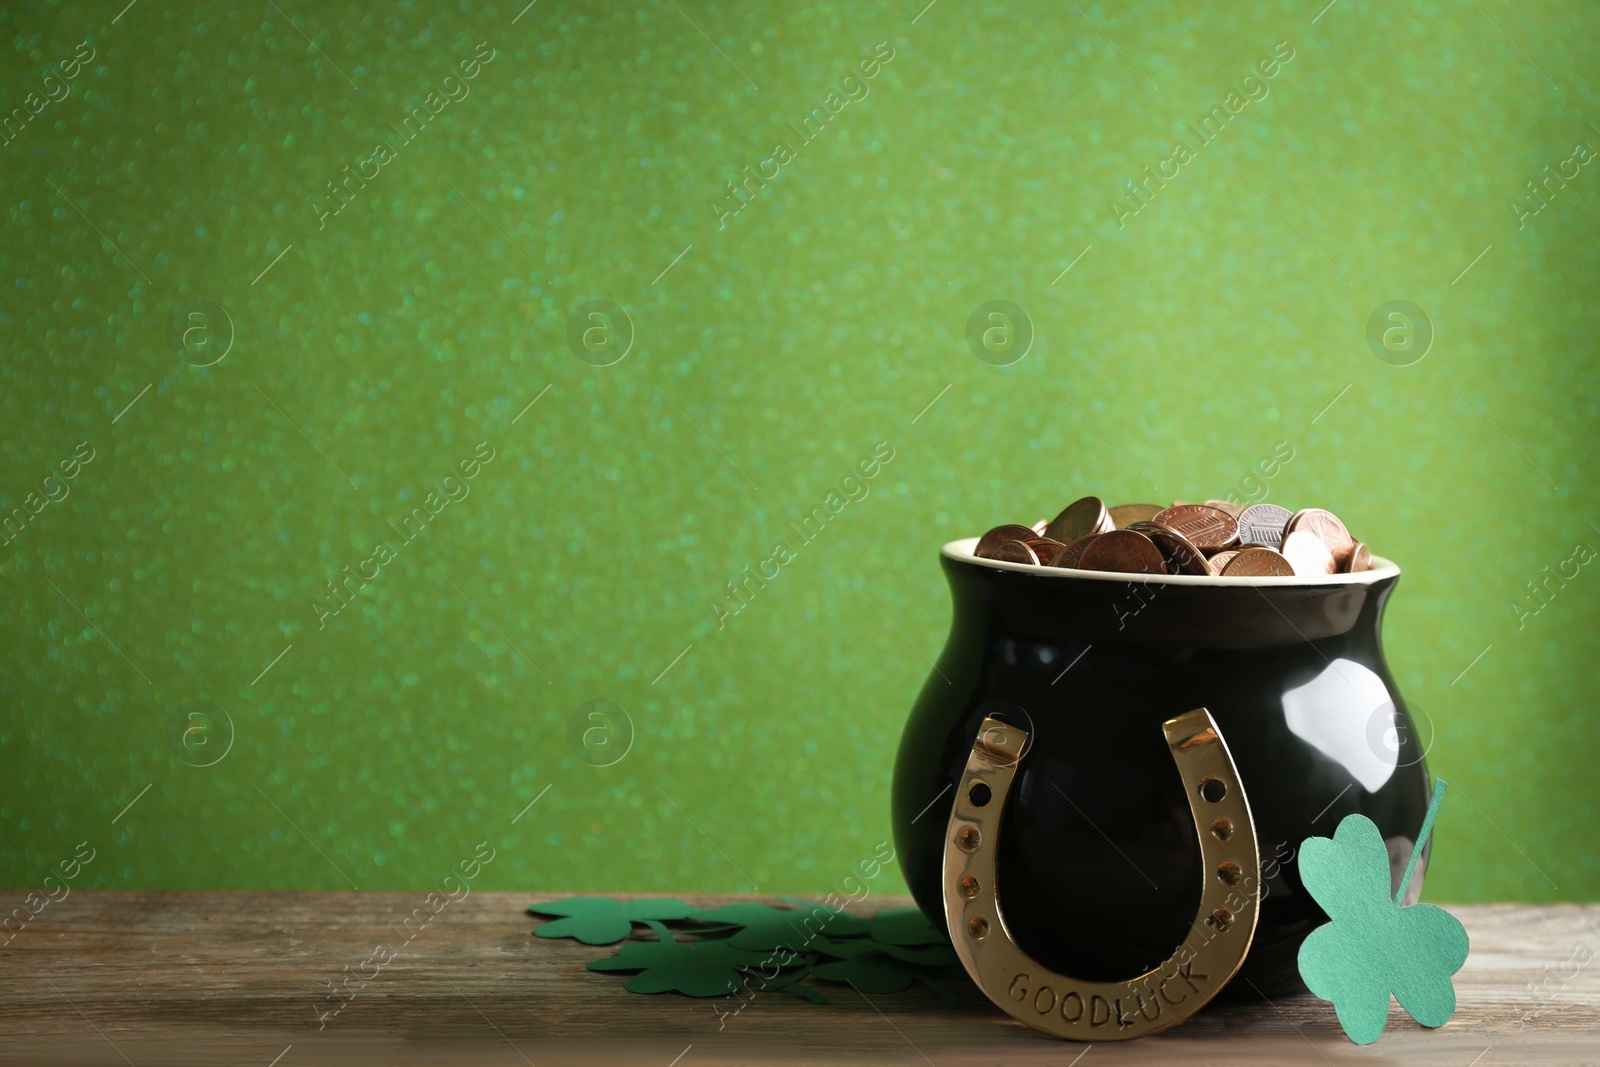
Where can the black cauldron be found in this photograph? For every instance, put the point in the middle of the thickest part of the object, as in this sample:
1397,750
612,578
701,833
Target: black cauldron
1099,868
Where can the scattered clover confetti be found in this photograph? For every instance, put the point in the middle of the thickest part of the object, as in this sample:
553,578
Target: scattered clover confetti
906,926
601,920
1373,947
758,947
938,957
874,968
705,968
796,928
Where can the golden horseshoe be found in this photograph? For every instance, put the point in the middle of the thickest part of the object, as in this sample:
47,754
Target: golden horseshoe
1075,1008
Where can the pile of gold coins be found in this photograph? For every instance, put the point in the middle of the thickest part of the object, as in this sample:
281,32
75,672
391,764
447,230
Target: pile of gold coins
1215,538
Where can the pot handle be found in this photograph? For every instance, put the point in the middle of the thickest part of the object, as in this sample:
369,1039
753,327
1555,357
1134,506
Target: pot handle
1075,1008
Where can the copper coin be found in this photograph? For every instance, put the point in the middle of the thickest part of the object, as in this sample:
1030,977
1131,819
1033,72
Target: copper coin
1040,527
1205,526
1257,562
1262,524
1079,519
1219,560
1326,525
1181,555
1123,550
1016,552
990,542
1225,505
1307,553
1125,515
1069,556
1044,548
1360,559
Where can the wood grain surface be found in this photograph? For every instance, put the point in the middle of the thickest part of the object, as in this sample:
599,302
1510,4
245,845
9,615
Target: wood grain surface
239,978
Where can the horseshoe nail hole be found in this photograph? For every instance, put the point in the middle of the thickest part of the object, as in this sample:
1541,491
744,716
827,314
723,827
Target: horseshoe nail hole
969,887
1213,789
978,927
1222,919
1228,873
1222,829
979,794
969,838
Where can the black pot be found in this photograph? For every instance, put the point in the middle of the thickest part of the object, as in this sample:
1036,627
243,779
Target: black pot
1099,869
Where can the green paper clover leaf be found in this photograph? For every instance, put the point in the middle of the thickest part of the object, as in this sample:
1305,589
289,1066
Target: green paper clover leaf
737,914
1373,947
601,920
794,928
906,926
871,969
931,956
938,957
697,969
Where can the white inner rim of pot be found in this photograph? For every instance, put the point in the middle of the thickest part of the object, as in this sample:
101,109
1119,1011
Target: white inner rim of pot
1381,568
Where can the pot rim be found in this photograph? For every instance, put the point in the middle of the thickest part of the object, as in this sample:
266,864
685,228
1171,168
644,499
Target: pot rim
960,550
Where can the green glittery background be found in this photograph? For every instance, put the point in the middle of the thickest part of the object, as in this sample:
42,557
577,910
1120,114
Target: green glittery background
554,634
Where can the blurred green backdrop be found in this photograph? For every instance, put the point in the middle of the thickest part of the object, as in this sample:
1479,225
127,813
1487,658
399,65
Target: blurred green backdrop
558,627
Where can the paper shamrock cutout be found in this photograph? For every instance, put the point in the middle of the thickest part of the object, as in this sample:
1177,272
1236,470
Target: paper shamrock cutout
707,968
875,968
735,914
1372,946
602,921
906,926
874,972
749,948
792,928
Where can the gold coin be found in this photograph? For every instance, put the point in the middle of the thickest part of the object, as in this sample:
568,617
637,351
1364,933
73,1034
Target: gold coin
1040,527
1257,562
1224,505
1308,554
1125,515
1326,525
990,542
1079,519
1123,550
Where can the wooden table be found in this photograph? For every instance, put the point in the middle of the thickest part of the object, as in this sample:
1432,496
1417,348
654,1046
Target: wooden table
237,978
